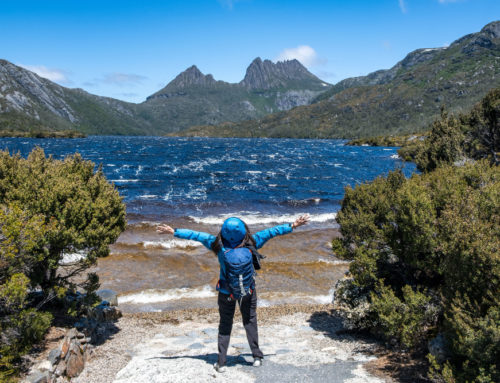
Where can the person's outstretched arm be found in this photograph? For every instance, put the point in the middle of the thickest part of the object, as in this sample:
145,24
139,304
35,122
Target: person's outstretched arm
265,235
205,238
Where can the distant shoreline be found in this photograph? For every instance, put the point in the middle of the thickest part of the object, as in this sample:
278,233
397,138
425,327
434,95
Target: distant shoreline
42,134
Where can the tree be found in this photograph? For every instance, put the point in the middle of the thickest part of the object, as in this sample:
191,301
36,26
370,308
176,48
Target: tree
426,260
49,208
471,136
23,244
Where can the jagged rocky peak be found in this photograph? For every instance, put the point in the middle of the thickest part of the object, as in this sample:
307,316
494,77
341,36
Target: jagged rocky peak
492,29
419,56
191,76
266,74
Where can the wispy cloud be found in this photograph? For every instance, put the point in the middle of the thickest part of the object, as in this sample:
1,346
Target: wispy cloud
304,53
56,75
122,79
402,6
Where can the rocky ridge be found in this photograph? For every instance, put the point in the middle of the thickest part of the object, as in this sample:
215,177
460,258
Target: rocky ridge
273,100
401,100
29,102
267,75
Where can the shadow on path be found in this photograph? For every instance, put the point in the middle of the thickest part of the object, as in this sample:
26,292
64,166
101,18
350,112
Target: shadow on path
242,359
401,367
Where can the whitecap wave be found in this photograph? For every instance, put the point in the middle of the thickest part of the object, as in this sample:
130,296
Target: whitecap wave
139,170
124,180
170,244
156,296
395,156
253,219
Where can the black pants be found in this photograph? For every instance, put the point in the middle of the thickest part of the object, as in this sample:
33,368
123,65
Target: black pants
248,309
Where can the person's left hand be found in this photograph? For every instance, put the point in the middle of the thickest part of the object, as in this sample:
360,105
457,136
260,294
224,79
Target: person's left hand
302,220
164,229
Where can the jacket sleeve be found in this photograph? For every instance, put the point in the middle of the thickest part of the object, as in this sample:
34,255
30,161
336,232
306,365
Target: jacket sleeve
205,238
263,236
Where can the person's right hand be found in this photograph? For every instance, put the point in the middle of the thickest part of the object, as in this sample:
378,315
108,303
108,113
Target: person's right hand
302,220
164,229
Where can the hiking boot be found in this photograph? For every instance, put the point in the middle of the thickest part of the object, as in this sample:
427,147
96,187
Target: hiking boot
257,362
220,369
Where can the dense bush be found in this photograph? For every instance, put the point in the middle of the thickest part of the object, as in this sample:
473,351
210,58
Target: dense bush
48,208
425,261
470,136
23,244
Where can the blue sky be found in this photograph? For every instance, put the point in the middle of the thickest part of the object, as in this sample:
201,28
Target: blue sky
130,49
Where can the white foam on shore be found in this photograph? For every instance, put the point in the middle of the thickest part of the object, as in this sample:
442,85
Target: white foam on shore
274,299
69,258
253,219
323,299
333,261
170,244
157,296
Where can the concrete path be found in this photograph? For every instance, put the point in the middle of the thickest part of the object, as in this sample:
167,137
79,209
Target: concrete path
297,348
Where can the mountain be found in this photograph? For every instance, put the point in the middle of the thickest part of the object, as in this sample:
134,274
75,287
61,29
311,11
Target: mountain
29,102
402,99
282,75
280,99
193,98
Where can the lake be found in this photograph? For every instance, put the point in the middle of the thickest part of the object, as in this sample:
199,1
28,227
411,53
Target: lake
197,183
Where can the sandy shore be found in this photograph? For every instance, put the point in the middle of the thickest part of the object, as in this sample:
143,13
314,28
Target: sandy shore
301,343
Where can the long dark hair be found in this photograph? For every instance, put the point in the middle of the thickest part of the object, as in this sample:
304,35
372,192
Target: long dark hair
247,241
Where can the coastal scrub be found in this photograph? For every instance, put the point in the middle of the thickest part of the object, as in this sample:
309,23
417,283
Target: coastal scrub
425,251
49,208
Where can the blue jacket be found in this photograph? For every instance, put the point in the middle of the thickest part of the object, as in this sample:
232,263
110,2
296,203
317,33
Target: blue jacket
207,239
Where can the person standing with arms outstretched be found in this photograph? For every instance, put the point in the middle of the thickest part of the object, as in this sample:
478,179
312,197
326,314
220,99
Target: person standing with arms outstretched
235,247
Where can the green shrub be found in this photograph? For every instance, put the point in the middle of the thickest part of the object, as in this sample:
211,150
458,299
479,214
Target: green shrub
84,212
23,243
404,320
48,208
426,260
471,136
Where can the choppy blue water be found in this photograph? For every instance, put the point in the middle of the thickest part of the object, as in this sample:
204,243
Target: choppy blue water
205,178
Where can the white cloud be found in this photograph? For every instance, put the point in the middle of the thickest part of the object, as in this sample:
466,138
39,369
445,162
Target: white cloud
304,53
402,6
56,75
120,79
